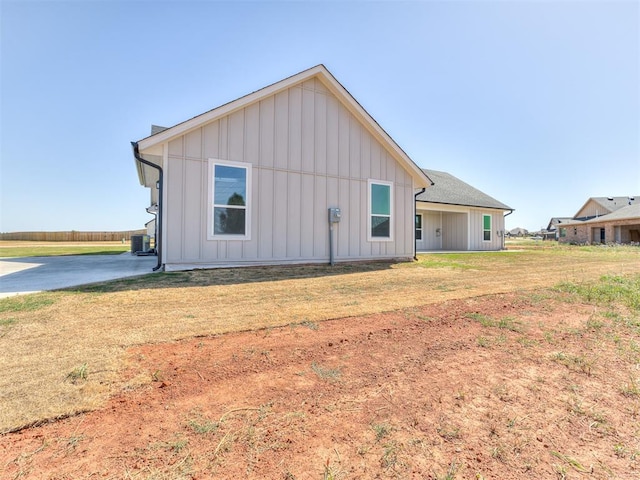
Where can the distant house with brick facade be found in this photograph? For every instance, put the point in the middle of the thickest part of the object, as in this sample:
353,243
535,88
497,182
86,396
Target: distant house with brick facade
603,220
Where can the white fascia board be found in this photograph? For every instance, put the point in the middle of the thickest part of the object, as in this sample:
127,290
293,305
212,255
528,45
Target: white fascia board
420,178
329,81
227,108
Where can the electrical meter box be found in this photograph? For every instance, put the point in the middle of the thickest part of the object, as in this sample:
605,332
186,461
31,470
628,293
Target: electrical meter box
334,215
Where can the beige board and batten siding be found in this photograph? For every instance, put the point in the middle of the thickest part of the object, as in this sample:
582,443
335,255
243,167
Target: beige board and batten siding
476,220
431,231
592,209
307,153
444,229
455,231
459,228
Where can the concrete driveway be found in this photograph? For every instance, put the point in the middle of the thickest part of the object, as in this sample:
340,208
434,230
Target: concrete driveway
35,274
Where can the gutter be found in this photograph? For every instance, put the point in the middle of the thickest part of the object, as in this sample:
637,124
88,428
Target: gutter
505,231
158,243
415,209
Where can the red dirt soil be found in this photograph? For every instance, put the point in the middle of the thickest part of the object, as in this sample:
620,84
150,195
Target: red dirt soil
417,394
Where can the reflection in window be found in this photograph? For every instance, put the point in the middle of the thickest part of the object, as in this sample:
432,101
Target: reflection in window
486,228
380,210
229,200
418,227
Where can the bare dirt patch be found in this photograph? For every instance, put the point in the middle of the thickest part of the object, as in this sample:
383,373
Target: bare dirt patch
507,386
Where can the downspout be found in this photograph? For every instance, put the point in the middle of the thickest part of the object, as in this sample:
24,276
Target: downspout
415,211
504,247
158,245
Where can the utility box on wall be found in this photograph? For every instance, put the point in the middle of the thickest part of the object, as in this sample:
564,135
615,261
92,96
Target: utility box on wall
334,215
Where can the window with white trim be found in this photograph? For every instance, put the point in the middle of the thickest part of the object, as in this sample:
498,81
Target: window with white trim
380,219
229,200
486,228
418,226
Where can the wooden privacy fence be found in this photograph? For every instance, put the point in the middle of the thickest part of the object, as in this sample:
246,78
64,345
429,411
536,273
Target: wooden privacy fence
72,236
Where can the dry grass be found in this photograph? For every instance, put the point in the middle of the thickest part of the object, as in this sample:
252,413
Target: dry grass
91,328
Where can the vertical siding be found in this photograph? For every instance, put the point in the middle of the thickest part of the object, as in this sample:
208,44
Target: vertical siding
307,212
252,133
211,140
265,214
320,135
592,209
431,221
307,123
281,120
320,233
294,214
174,206
349,216
476,225
280,199
267,132
454,231
295,130
333,126
308,153
192,218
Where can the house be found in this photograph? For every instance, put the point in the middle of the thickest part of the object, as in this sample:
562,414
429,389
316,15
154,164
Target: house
553,229
604,220
453,215
252,182
518,232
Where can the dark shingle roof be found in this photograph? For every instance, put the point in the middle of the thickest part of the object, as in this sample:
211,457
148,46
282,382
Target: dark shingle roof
450,190
157,129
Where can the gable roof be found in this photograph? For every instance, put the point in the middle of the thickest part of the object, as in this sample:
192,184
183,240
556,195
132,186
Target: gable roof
329,81
610,204
629,212
558,221
450,190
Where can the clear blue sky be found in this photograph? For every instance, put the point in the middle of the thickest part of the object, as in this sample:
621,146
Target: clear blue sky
536,103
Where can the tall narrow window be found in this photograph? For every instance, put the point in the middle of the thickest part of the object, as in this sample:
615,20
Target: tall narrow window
230,200
418,227
380,208
486,228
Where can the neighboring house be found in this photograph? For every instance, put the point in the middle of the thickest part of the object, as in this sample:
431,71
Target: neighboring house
553,229
453,215
604,220
252,181
518,232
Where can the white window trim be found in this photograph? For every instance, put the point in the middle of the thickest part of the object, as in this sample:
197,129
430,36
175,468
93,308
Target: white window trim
421,229
490,227
370,238
210,224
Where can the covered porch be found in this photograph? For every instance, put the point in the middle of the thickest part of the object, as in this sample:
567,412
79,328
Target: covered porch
442,230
